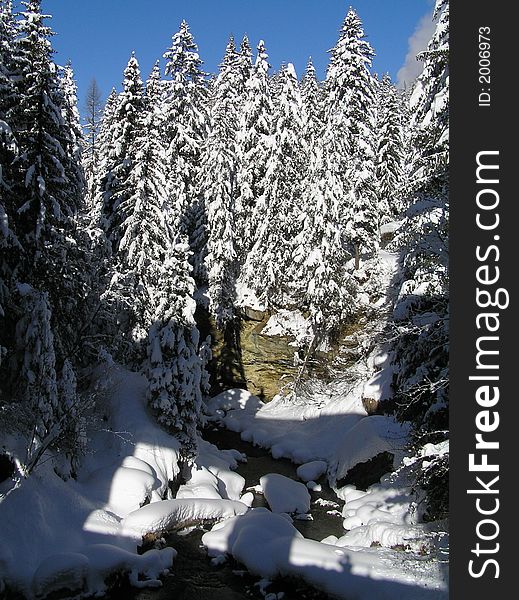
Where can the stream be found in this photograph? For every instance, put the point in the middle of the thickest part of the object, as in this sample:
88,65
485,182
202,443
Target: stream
193,577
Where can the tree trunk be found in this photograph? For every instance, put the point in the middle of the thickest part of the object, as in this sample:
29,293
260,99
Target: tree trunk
357,257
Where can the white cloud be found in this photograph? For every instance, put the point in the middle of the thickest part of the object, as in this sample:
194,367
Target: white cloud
417,43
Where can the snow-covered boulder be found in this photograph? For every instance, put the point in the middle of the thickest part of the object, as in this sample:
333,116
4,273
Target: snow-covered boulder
167,515
368,438
311,471
285,495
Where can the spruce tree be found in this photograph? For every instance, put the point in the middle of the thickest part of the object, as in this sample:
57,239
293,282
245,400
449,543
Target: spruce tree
312,96
422,353
123,136
253,150
391,151
186,130
278,210
219,190
350,113
174,367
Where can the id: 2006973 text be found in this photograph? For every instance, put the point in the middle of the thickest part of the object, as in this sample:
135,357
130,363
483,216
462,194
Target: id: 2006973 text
484,67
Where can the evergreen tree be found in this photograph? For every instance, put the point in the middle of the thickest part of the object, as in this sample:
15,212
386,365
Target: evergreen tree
117,183
422,353
391,151
174,366
218,189
73,149
350,114
46,204
186,130
311,94
144,232
277,211
253,150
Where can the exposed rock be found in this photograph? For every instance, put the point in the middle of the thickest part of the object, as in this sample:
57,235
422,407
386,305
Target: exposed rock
253,314
371,406
364,474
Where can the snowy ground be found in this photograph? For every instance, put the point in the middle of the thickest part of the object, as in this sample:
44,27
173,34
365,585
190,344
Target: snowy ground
76,533
384,552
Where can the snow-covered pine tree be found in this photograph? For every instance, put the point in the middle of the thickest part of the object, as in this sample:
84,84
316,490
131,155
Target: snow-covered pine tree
45,184
391,151
174,366
36,382
278,210
421,354
253,151
122,146
145,231
106,134
312,96
350,112
218,188
186,129
42,187
244,65
319,256
73,146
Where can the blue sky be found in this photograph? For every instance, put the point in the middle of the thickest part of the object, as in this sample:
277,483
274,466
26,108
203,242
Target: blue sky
99,35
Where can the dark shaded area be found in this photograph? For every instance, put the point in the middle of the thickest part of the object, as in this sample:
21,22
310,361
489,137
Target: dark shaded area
226,367
6,467
369,472
195,578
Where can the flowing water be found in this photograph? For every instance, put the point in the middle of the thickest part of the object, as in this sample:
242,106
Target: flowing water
193,576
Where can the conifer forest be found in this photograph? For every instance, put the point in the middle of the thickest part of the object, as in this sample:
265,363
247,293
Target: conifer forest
224,318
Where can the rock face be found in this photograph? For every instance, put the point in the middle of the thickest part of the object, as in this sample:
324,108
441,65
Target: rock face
268,361
243,357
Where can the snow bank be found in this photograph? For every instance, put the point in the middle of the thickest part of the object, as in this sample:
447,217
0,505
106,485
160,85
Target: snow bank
167,515
299,432
311,471
269,546
285,495
369,437
86,573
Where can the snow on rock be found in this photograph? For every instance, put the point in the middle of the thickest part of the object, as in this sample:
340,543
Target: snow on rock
143,570
384,502
285,495
311,471
369,437
289,323
390,228
385,534
128,487
235,399
177,513
269,546
313,486
66,570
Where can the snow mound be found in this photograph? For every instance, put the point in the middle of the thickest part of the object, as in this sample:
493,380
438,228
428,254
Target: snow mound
235,399
369,437
129,487
66,570
285,495
164,516
311,471
269,546
86,572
